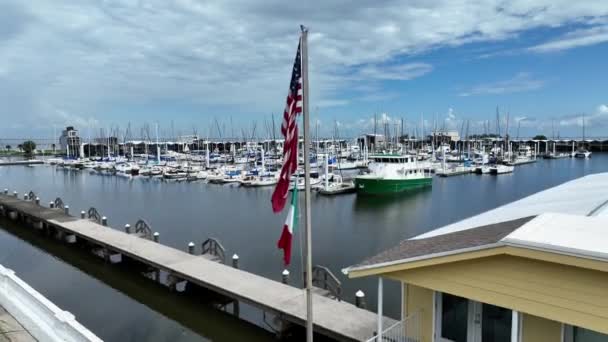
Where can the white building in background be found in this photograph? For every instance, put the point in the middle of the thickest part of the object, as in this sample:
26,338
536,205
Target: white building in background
69,141
447,134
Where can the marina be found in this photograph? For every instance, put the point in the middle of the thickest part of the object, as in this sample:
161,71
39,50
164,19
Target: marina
199,171
347,215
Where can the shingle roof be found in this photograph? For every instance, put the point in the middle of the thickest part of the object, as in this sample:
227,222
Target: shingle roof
459,240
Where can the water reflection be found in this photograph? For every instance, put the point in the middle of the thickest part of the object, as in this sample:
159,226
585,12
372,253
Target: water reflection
199,315
393,201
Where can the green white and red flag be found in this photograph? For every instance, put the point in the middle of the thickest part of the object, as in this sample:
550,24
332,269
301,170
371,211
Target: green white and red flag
291,222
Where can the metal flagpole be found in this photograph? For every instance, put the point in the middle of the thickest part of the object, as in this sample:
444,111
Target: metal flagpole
307,215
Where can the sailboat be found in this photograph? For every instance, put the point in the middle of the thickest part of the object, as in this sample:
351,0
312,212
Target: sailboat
582,152
500,169
334,184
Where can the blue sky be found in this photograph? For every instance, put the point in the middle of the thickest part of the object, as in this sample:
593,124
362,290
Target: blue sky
106,64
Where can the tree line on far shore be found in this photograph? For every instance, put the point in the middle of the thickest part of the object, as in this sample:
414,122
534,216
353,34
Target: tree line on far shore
27,149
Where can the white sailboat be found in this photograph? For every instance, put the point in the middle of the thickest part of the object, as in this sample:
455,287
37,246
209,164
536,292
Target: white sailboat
582,152
500,169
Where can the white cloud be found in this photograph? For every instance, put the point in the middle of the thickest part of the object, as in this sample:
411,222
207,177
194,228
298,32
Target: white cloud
92,58
597,119
520,118
574,39
395,72
378,96
518,83
332,103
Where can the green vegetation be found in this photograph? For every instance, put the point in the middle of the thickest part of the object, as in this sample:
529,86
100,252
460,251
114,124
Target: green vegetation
28,148
539,137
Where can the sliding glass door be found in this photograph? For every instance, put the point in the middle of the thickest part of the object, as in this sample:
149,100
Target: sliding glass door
458,319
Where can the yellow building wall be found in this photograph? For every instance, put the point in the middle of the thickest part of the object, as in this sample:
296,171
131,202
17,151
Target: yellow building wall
550,290
419,300
534,328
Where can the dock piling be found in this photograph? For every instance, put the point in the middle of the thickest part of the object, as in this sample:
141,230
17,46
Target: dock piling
51,205
66,209
156,236
25,197
37,200
104,221
15,193
128,228
285,277
360,299
70,238
6,191
82,214
235,261
191,247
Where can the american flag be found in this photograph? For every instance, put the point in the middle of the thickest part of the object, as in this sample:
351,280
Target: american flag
289,129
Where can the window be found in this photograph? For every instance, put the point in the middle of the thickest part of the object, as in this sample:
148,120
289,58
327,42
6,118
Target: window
577,334
454,316
584,335
462,320
496,324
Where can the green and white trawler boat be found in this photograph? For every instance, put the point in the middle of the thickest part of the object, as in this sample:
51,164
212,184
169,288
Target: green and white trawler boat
392,173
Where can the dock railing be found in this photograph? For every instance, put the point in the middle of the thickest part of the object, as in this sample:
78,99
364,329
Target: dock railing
142,228
93,215
39,316
59,203
324,279
406,330
213,247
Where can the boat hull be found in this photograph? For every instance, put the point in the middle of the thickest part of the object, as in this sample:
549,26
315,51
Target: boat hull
379,186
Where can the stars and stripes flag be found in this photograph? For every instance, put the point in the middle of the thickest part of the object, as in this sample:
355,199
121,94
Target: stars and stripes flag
289,129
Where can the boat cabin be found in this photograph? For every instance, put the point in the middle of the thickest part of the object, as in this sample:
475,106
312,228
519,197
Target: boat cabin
392,159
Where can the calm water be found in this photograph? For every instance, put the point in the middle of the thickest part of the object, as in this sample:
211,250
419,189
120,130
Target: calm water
120,306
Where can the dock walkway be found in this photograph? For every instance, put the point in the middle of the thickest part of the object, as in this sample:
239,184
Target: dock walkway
11,330
337,319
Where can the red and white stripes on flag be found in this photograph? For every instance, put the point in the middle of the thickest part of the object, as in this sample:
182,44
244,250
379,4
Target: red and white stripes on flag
289,129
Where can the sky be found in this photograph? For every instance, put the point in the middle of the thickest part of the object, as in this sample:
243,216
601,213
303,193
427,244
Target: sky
223,67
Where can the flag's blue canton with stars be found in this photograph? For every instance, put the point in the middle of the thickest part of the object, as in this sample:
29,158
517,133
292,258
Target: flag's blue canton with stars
296,75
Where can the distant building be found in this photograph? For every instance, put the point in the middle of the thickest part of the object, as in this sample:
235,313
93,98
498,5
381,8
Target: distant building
70,141
106,141
370,140
444,135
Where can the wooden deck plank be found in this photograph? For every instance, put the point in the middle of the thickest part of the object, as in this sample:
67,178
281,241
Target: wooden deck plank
338,319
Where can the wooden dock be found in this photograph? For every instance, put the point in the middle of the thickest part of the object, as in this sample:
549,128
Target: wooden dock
21,162
336,319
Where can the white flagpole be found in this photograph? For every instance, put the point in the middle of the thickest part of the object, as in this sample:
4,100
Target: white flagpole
307,215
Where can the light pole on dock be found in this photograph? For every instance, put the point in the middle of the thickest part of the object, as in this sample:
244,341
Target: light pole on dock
307,212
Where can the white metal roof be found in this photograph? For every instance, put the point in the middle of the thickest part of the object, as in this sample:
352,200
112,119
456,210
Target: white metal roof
583,196
563,233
